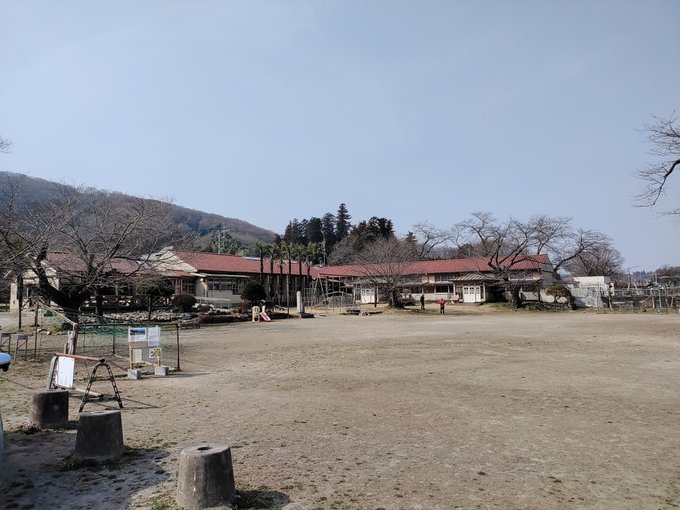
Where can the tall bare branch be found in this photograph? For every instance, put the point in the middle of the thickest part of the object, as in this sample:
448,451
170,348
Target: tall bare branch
429,238
386,264
665,135
5,145
93,239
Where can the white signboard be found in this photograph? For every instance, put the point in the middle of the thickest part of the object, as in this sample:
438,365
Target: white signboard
153,336
137,355
141,338
137,335
65,370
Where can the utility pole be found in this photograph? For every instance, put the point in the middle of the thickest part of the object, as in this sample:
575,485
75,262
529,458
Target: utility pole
220,233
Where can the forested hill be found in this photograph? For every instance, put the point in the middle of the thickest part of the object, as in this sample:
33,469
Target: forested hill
33,191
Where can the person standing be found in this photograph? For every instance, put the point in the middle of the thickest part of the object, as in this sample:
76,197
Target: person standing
442,304
422,301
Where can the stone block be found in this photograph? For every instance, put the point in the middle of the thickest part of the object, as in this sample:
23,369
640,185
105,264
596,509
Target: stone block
49,409
100,436
205,478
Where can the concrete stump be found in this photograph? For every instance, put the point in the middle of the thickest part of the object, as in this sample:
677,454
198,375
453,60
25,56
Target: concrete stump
100,436
205,478
49,409
163,370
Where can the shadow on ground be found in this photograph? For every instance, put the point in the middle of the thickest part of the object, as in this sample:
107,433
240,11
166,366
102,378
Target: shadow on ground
260,499
40,472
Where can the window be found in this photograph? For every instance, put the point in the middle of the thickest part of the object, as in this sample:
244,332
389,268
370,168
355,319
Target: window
125,290
224,285
217,285
476,291
443,278
236,286
443,289
188,287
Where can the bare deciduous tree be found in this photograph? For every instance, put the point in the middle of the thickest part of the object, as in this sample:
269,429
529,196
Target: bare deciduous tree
386,264
5,145
665,135
669,275
95,240
429,238
344,251
597,259
506,246
557,238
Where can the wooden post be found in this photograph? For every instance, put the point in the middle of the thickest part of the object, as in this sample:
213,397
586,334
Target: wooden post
178,368
35,338
72,343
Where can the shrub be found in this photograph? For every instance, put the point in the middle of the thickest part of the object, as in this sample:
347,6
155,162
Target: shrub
253,291
183,302
560,292
543,307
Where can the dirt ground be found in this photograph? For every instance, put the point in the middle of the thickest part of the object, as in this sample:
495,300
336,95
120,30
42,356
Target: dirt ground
409,410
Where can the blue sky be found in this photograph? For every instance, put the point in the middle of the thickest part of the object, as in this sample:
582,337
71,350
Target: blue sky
416,111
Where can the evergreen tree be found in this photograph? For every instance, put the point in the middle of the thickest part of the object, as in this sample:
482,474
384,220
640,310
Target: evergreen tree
302,231
411,238
380,227
293,233
328,231
314,230
342,223
253,291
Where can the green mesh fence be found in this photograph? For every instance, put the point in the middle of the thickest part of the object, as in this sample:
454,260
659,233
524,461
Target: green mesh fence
101,337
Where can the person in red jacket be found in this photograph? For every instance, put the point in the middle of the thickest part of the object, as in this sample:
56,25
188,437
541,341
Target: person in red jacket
442,303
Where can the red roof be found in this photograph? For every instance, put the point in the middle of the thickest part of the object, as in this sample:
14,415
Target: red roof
423,267
219,263
70,263
204,262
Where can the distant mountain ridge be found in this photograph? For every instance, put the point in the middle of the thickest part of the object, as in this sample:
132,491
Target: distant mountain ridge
35,190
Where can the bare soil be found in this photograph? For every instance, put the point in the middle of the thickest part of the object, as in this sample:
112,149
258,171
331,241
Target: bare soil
401,410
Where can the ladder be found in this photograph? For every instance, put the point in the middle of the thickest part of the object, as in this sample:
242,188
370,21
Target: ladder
89,397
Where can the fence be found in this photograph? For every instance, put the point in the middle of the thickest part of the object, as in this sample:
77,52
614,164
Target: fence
659,299
314,298
107,340
98,337
16,344
217,303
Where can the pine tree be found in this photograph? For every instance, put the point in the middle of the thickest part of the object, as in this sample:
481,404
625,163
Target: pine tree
342,224
314,230
328,232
